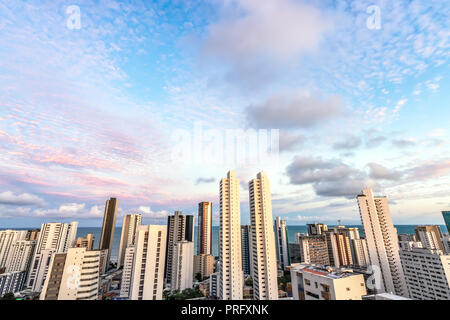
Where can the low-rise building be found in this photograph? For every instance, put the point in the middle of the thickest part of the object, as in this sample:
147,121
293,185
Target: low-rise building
315,282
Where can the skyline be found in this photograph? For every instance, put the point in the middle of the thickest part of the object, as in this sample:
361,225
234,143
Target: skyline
88,114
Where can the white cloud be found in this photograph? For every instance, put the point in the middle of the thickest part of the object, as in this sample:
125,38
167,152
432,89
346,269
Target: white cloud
24,199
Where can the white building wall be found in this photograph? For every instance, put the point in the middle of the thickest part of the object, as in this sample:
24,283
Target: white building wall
19,257
147,281
382,241
230,255
183,264
263,254
130,225
7,240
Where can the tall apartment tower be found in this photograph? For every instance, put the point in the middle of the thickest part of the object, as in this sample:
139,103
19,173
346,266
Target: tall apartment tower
246,249
282,244
431,237
7,239
264,256
53,238
204,244
147,281
20,255
108,227
127,272
180,227
73,275
183,266
130,225
339,248
382,242
230,280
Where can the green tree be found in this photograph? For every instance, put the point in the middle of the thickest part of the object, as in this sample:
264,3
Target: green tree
249,282
198,276
8,296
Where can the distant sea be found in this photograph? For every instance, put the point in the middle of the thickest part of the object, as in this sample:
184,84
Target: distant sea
292,230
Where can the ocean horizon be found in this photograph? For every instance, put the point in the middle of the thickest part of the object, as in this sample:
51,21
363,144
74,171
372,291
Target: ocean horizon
292,230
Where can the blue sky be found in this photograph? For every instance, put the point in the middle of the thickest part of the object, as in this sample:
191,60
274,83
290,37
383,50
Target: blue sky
90,113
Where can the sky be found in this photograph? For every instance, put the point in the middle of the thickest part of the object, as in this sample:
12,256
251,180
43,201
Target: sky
136,100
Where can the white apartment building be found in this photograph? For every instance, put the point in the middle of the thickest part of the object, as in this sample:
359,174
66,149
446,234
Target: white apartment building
183,266
12,282
127,272
427,273
130,225
430,237
359,252
20,254
147,280
73,275
282,244
7,239
53,238
314,282
263,254
230,268
382,242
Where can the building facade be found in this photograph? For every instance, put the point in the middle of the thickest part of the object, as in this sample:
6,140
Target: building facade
20,255
427,273
263,253
314,282
282,243
108,227
86,242
204,240
147,281
7,239
430,236
230,251
246,249
53,238
203,264
73,275
130,225
382,243
183,266
180,227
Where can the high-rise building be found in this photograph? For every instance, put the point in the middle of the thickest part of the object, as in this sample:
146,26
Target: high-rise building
86,242
147,281
204,244
315,282
127,272
12,282
19,257
360,253
282,243
108,227
313,249
315,229
430,237
446,216
263,254
230,255
73,275
382,242
339,249
130,225
427,273
7,239
53,238
180,227
203,264
183,266
246,249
